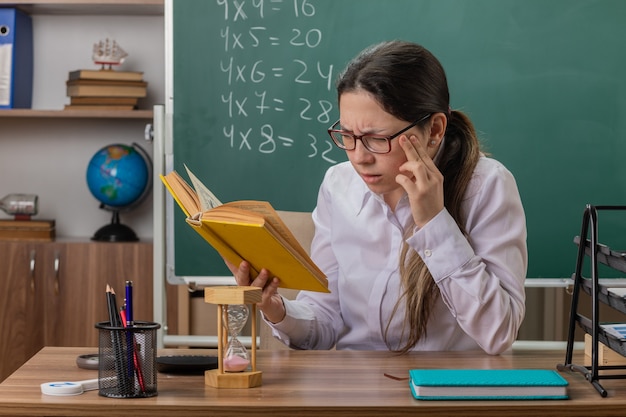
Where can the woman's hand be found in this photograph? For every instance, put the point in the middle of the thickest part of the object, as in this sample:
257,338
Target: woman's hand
422,181
271,302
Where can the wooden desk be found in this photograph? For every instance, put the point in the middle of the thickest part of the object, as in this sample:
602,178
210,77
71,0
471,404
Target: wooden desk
304,383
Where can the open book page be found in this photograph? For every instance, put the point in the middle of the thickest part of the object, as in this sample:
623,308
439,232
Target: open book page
230,214
205,196
270,215
182,192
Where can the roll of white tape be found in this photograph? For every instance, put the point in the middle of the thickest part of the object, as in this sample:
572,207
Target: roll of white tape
68,387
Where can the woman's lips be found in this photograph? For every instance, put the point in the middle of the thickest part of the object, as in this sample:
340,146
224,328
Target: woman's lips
370,178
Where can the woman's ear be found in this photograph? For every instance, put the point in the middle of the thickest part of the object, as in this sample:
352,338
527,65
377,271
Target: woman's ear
438,125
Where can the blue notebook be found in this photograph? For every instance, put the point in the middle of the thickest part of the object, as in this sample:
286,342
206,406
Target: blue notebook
487,384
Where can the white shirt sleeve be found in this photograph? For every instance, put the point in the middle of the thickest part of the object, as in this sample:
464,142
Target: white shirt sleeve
481,278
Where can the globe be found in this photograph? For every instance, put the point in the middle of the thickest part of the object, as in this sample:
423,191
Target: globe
119,177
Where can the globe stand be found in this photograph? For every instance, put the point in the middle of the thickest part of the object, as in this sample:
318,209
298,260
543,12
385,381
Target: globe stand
115,231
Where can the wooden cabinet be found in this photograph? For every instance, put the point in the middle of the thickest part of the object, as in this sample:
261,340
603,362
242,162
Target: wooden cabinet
75,281
21,307
53,293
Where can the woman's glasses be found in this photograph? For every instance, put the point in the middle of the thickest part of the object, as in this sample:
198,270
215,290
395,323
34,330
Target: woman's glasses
373,143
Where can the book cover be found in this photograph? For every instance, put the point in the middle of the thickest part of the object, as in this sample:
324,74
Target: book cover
106,88
487,384
109,83
117,101
40,230
94,90
106,74
98,107
26,224
250,230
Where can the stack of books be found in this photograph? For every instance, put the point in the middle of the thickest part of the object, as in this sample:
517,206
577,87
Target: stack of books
105,89
41,230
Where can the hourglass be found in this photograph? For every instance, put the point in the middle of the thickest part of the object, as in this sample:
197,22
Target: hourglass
232,357
236,359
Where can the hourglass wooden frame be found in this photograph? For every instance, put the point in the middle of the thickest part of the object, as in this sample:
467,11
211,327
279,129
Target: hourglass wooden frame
224,296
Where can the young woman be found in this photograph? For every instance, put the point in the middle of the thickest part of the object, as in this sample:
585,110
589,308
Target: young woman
422,236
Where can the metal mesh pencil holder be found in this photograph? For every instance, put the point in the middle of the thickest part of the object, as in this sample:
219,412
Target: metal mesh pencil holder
127,360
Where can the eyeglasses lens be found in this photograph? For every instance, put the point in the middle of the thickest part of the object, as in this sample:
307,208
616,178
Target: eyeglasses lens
373,143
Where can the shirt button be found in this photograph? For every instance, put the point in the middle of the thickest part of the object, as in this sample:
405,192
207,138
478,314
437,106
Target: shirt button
428,252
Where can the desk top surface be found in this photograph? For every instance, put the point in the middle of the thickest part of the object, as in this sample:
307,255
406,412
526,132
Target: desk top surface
304,383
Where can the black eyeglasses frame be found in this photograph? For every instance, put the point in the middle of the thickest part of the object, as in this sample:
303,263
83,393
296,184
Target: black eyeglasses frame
388,138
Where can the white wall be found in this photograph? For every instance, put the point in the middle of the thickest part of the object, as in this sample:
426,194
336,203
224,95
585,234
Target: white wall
49,157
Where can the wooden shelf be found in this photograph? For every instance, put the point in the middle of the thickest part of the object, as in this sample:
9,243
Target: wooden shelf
77,114
87,7
84,7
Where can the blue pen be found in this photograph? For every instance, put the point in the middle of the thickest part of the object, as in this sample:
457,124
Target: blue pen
129,303
130,339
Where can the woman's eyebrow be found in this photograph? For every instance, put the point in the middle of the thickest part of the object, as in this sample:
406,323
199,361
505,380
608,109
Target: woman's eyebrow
367,131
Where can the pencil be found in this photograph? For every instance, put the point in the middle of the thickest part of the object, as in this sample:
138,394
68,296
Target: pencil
118,348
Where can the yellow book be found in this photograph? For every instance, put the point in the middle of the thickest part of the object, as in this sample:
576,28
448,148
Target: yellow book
246,230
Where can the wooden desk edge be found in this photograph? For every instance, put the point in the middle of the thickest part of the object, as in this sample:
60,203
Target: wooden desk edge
281,396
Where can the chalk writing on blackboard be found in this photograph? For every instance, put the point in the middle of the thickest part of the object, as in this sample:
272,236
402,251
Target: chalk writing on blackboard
253,96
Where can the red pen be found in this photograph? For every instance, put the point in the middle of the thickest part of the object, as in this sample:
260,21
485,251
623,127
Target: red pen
135,358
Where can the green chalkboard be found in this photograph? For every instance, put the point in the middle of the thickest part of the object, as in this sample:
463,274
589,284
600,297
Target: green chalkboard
543,81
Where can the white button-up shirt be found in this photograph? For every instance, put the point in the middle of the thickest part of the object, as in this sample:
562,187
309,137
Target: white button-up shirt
357,243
